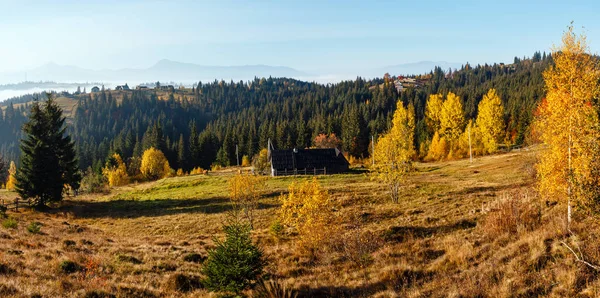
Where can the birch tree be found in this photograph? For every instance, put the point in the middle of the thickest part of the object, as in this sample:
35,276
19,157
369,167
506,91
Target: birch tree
568,170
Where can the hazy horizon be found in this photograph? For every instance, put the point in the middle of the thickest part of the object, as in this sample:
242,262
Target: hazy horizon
321,37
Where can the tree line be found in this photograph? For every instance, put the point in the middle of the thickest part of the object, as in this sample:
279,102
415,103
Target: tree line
204,126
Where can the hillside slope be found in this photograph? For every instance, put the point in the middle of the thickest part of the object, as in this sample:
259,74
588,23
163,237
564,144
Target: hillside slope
460,229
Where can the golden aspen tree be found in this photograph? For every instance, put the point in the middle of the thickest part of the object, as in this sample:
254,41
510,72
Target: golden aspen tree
245,191
438,149
433,111
490,122
154,164
452,119
307,208
246,161
115,171
394,151
12,180
569,168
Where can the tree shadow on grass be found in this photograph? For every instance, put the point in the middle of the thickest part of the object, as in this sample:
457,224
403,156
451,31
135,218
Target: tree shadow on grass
399,280
149,208
402,233
483,189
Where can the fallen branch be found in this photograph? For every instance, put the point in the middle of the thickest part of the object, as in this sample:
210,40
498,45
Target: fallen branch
581,259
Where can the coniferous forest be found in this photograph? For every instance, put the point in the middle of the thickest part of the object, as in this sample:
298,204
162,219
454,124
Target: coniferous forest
203,126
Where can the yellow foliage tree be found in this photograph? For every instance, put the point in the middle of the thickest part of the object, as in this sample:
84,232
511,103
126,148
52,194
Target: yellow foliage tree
394,151
12,180
569,169
261,161
245,161
490,123
307,208
438,149
452,119
433,112
154,164
115,171
245,191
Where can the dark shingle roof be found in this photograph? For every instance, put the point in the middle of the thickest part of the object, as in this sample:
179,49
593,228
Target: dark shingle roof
308,159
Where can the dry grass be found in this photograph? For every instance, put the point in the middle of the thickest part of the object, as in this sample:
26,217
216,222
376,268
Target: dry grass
459,230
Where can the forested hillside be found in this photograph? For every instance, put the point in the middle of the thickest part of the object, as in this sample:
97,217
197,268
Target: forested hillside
202,126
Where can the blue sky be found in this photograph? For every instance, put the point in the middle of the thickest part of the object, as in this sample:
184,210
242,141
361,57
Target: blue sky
314,36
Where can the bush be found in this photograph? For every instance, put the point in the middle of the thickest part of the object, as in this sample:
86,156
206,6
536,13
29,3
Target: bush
273,289
9,223
69,243
194,258
128,259
92,182
261,162
69,267
512,215
234,264
183,283
34,227
276,228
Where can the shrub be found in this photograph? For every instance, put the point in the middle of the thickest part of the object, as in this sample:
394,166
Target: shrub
197,171
512,215
69,243
273,289
261,162
6,270
69,267
245,161
9,223
194,258
3,210
183,283
128,259
34,227
98,294
92,182
276,228
234,264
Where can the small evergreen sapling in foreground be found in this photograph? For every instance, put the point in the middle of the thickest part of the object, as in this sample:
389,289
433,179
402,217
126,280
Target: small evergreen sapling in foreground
234,264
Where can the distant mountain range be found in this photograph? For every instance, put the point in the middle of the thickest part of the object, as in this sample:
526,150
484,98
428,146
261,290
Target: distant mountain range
188,73
163,70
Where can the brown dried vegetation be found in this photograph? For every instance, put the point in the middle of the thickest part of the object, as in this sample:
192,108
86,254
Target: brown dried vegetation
458,230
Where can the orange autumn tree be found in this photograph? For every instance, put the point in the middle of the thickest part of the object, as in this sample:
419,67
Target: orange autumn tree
569,169
327,141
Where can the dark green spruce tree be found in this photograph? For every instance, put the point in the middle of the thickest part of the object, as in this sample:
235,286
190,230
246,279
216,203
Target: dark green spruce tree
48,159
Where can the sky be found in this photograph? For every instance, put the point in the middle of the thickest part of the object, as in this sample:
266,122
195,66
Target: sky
313,36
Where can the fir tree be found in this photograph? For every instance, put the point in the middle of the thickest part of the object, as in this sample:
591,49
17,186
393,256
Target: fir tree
48,160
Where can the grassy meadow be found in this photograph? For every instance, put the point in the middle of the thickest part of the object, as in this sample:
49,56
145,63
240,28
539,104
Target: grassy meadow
460,229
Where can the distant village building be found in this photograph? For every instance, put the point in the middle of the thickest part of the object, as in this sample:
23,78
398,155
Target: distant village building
95,89
123,87
307,161
169,88
141,87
